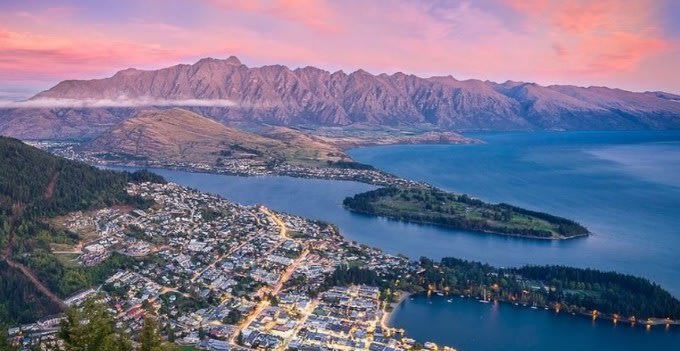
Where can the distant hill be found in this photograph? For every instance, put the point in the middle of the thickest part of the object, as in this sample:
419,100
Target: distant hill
34,186
178,135
233,93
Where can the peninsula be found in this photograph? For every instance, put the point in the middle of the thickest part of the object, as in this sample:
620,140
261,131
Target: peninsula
429,205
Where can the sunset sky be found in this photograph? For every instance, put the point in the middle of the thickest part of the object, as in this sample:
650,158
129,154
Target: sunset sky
633,45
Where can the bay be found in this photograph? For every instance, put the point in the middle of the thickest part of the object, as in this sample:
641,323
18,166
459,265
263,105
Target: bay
468,325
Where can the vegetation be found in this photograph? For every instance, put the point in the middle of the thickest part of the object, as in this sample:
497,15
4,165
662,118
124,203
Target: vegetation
350,165
92,328
65,280
20,301
35,186
5,344
434,206
565,288
605,291
51,186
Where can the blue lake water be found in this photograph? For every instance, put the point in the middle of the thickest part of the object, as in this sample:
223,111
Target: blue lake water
472,326
624,186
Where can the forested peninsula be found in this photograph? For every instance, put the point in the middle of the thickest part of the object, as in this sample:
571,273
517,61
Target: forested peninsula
429,205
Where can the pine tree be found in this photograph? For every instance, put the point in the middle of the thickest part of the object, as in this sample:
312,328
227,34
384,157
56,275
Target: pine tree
5,344
239,338
170,333
149,339
91,329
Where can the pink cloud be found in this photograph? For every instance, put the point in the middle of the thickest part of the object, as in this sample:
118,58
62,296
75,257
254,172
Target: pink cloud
533,7
25,54
573,42
313,14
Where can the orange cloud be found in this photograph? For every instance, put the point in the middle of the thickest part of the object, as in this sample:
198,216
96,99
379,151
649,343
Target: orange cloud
28,54
313,14
577,17
619,51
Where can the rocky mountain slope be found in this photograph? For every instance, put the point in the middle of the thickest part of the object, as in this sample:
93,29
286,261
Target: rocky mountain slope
233,93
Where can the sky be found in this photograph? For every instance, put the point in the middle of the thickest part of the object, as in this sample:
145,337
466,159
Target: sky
633,45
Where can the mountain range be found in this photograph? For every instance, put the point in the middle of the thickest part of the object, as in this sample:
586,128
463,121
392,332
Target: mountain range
232,93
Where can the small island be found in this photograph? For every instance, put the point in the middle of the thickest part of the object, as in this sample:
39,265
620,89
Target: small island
429,205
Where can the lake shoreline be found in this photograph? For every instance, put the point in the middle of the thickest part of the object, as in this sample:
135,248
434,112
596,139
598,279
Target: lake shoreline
529,237
592,315
388,314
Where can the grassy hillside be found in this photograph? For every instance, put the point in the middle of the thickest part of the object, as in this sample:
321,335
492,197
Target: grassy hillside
177,135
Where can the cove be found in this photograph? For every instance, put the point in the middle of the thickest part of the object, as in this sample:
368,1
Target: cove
469,325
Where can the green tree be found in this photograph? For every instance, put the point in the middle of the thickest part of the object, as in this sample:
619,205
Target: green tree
5,344
149,338
91,329
170,332
239,338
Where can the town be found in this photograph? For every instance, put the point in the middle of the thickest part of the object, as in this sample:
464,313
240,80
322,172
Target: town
225,276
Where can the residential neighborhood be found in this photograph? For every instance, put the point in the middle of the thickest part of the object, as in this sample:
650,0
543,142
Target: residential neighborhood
219,275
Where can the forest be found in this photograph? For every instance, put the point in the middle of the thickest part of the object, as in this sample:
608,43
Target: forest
430,205
35,186
565,288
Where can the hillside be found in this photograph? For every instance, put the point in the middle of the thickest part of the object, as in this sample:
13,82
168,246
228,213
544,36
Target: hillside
35,186
177,135
233,93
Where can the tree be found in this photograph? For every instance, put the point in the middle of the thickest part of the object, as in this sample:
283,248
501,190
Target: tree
149,339
5,344
91,329
170,332
239,338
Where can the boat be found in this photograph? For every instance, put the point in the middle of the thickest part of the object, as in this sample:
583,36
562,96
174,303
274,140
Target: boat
439,294
449,300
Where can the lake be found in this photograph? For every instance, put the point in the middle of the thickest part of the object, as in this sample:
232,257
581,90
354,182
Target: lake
469,325
624,186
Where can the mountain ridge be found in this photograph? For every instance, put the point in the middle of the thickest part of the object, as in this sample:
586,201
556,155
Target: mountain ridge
179,136
278,95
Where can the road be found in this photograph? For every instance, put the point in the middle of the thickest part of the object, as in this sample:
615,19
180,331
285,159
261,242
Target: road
283,232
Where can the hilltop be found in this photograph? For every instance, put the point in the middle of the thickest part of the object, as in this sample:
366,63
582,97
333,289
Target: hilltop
177,135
